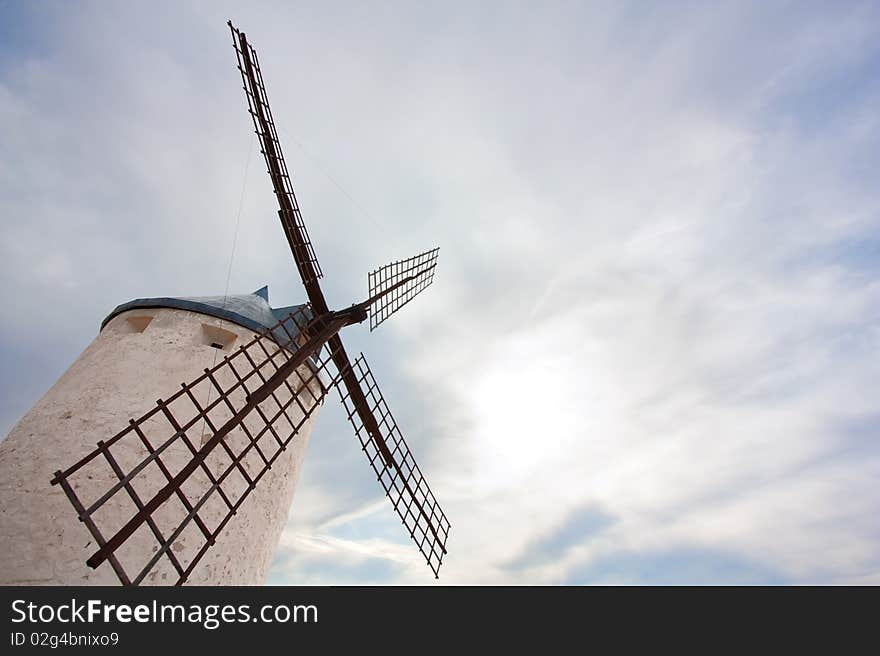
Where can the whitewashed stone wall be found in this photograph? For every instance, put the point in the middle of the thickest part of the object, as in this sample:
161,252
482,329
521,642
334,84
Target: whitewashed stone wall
119,376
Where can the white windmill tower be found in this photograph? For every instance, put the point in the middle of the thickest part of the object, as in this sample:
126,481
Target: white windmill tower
197,489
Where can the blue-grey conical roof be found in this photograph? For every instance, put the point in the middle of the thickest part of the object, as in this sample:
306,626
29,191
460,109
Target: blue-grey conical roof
251,311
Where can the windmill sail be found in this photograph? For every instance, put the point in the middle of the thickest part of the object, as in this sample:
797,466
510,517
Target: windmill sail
388,297
396,284
264,402
291,218
395,468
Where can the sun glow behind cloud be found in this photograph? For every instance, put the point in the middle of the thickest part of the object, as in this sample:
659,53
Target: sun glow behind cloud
529,406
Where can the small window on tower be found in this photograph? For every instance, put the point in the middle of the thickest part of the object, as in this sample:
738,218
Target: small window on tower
137,324
217,338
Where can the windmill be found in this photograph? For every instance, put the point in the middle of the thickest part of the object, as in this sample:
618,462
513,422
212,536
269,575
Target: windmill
281,376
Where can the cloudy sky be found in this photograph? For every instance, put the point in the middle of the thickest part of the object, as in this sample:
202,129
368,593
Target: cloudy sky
652,349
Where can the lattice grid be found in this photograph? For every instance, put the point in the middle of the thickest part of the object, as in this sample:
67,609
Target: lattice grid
401,479
291,218
150,457
412,275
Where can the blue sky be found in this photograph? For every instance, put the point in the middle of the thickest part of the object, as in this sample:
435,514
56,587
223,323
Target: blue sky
650,352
